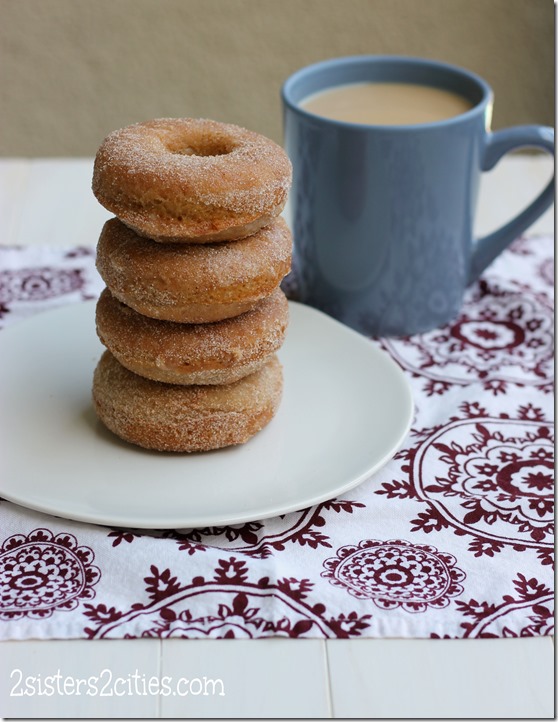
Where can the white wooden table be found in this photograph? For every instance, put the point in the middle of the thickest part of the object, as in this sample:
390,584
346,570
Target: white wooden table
49,202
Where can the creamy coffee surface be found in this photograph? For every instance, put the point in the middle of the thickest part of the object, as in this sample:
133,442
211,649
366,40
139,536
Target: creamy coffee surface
386,103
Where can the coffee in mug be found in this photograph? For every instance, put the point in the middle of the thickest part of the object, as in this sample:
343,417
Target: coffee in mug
386,103
382,213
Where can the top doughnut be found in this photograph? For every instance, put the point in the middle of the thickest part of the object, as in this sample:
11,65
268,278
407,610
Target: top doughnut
188,180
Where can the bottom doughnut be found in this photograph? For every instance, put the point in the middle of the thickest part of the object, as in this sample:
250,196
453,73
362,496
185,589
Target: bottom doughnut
168,417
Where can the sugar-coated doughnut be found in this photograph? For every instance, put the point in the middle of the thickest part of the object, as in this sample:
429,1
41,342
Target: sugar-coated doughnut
192,283
166,417
191,180
181,353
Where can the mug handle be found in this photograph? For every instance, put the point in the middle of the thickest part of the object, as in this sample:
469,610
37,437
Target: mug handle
502,141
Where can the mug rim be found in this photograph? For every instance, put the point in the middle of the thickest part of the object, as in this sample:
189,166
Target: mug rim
348,60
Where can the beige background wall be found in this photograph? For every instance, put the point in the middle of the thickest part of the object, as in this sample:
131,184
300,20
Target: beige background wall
73,70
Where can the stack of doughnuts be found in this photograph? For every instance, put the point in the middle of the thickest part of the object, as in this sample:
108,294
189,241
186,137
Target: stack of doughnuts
192,315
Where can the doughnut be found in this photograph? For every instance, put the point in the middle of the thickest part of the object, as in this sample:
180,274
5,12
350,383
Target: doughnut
180,353
193,283
166,417
191,180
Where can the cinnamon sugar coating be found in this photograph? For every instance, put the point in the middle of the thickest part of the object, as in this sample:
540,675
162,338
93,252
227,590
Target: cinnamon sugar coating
167,417
179,353
193,283
191,180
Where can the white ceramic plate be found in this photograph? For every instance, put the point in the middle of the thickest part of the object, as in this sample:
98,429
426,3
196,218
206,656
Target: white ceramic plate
346,409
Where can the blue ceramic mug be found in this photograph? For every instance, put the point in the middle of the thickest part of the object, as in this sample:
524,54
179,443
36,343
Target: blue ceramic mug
382,216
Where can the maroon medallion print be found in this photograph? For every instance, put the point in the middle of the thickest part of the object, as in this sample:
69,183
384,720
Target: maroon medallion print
228,604
41,573
493,478
396,574
526,611
546,272
38,284
501,335
301,528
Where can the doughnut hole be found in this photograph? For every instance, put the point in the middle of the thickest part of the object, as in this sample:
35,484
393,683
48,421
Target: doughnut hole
203,146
